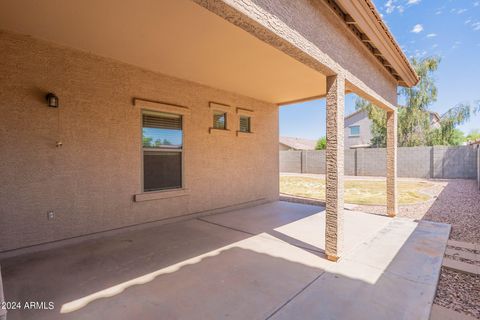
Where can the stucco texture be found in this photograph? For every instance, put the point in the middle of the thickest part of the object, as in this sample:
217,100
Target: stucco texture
310,32
90,181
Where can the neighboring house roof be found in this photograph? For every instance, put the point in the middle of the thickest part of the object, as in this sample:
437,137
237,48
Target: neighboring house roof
474,142
353,113
298,143
434,116
364,20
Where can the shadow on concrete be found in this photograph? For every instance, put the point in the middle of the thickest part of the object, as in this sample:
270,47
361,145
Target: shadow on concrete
198,270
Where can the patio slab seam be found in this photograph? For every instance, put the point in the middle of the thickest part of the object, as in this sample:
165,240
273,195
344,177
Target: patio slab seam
295,295
263,237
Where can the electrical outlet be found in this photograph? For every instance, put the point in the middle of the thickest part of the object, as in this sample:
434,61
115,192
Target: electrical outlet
50,215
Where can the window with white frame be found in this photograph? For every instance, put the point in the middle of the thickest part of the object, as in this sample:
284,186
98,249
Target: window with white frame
162,141
354,131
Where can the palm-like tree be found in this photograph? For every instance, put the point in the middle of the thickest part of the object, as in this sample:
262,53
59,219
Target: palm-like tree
414,126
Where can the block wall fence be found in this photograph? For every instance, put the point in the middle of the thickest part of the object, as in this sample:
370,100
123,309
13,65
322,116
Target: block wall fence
439,162
478,167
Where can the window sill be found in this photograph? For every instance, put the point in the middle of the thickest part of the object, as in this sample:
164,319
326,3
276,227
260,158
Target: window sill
350,136
223,132
244,134
157,195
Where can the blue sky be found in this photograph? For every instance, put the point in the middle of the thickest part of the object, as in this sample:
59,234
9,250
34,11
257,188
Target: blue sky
449,29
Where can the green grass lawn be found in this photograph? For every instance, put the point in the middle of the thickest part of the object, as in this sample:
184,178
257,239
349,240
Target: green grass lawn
369,192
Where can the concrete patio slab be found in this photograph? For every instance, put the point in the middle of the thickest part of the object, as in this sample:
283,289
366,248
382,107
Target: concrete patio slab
359,291
391,276
300,225
201,270
442,313
404,243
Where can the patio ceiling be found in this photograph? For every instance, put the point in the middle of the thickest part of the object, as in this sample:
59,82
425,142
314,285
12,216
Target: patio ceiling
178,38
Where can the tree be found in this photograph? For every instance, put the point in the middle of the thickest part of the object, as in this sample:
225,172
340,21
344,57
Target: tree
447,134
321,144
147,141
473,135
414,127
457,138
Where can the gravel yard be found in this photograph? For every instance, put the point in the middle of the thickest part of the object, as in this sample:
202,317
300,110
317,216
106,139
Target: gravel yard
459,291
456,202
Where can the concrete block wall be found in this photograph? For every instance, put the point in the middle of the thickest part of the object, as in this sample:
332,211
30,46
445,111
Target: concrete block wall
371,162
455,162
314,161
438,162
350,162
414,162
291,161
478,166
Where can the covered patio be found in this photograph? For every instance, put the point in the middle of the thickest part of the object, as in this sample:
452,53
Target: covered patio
263,262
81,167
252,50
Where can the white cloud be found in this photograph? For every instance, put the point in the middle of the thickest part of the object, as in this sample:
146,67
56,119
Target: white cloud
392,6
476,3
458,11
476,26
419,53
389,6
456,44
431,35
417,28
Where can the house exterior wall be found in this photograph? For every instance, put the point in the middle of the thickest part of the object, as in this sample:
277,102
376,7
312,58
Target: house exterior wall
359,119
284,147
91,180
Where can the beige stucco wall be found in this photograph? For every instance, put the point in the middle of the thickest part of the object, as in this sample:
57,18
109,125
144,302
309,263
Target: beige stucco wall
310,32
90,181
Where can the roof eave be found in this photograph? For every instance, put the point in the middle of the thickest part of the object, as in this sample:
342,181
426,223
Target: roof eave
365,17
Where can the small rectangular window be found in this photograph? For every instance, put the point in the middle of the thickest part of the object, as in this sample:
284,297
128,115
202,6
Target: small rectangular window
162,140
354,130
245,124
219,120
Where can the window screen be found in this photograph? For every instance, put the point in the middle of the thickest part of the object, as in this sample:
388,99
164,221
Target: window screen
244,124
162,140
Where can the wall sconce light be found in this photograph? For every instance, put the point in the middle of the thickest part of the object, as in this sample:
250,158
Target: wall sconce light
52,100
